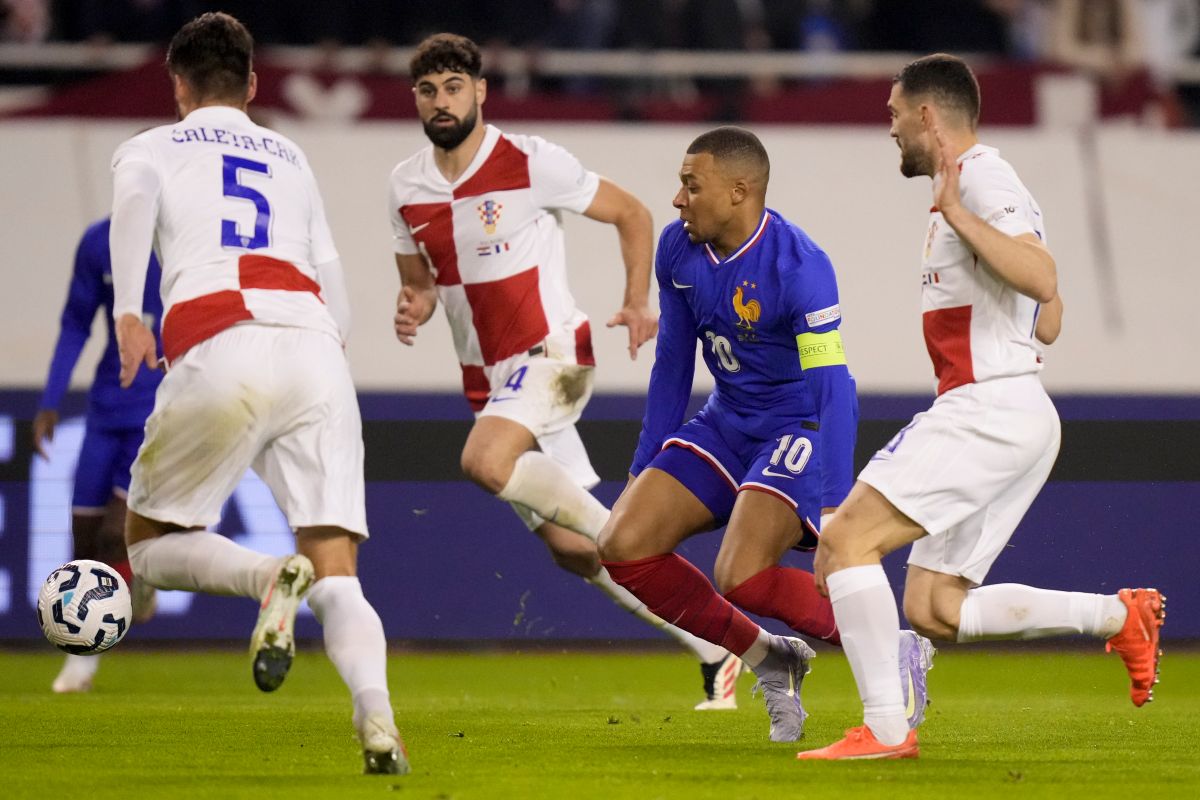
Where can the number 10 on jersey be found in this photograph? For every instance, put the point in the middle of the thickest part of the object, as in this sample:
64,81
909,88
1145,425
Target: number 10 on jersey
231,175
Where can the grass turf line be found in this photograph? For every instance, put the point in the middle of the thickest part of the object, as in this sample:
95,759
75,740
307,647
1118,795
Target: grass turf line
577,726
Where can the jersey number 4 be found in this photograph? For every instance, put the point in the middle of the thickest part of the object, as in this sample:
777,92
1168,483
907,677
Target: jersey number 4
231,174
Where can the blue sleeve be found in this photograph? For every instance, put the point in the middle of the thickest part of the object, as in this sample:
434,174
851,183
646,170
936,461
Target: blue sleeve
837,410
674,365
831,386
84,298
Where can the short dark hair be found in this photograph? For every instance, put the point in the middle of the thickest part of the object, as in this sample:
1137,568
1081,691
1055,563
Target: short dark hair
446,52
730,143
947,78
214,54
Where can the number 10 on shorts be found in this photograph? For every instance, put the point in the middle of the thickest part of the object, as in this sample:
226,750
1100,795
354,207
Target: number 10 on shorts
794,451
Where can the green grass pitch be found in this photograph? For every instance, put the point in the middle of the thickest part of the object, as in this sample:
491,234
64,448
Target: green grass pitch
1003,723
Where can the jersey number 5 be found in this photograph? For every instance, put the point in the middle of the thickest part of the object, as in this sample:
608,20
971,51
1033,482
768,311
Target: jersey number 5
231,175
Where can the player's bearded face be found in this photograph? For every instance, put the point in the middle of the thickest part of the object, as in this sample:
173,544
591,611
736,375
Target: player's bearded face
448,131
916,154
914,159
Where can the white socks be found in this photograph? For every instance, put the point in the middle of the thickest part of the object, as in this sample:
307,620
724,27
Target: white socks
705,651
1013,611
756,652
544,487
202,561
865,610
354,642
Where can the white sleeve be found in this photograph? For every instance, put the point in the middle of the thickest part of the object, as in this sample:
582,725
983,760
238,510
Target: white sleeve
558,179
333,291
996,195
136,189
321,246
403,241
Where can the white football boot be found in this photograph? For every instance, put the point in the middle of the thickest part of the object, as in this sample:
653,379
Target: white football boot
273,643
383,750
720,684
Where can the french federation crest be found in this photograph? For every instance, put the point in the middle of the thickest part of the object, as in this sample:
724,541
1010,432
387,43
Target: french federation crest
748,311
489,214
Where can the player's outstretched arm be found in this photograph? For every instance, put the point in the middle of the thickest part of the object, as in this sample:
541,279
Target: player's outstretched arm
1049,323
85,296
333,290
674,367
43,430
635,228
418,296
1022,262
136,345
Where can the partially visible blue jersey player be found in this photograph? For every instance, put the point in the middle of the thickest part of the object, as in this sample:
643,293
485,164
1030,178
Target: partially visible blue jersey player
113,433
772,449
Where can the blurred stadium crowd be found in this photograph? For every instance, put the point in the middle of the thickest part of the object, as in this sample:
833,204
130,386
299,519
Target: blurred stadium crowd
1111,40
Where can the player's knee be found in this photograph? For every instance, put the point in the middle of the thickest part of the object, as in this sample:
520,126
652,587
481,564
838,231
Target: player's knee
835,551
485,471
925,620
618,539
584,563
726,578
729,574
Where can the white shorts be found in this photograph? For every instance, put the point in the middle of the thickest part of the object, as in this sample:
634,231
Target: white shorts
547,397
277,399
968,469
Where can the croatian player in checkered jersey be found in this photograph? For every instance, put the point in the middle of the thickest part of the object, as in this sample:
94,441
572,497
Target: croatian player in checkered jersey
956,481
476,223
256,317
772,449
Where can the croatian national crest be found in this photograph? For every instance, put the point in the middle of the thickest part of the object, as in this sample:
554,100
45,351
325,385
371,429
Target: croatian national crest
489,214
749,311
933,229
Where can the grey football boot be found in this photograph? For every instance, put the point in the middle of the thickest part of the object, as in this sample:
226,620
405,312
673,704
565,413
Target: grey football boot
779,677
916,659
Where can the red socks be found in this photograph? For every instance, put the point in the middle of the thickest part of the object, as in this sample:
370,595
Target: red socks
679,593
789,595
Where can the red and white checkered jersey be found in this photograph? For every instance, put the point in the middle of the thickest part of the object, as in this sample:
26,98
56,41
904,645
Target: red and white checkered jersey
495,242
978,327
238,223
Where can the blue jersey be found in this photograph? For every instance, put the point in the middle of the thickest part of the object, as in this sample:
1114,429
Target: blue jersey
91,290
766,317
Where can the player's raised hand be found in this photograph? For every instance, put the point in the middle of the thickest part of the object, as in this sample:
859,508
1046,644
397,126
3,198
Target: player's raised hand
946,193
136,346
43,430
413,308
642,325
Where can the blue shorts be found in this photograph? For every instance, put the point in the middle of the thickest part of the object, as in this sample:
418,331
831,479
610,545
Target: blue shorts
715,461
103,468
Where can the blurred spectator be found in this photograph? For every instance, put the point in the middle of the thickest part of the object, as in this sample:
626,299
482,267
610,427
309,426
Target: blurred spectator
1100,37
24,21
1108,39
926,26
124,20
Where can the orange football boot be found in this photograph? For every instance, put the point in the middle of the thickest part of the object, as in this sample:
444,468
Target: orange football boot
860,743
1137,642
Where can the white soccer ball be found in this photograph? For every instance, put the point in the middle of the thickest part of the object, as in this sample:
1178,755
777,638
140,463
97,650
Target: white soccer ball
84,607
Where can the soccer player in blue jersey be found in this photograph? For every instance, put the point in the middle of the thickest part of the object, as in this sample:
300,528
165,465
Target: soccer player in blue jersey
113,433
773,448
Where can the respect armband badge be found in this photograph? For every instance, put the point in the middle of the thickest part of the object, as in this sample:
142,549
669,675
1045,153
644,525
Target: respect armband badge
820,349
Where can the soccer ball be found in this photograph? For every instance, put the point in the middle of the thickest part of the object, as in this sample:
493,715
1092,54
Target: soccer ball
84,607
